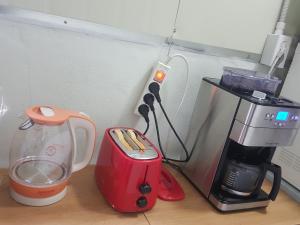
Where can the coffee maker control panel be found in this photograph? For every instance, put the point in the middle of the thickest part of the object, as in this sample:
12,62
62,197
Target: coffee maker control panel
281,118
255,115
261,125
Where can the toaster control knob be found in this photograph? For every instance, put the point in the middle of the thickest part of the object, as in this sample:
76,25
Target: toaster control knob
141,202
145,188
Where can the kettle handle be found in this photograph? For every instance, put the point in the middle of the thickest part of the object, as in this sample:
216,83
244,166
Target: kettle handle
276,170
83,122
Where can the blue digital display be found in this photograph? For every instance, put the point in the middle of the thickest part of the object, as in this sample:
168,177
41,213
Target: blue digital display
282,116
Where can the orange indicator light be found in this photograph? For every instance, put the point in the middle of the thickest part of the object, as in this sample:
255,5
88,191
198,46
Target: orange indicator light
159,76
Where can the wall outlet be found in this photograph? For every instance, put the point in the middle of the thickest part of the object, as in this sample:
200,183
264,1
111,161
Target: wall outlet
158,75
273,45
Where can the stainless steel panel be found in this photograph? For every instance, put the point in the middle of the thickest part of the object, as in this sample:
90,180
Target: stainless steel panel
256,116
260,136
210,125
231,207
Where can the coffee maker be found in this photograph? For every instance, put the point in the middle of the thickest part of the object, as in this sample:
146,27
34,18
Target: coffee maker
232,137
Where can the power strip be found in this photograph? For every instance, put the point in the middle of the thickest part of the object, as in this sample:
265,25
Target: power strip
158,75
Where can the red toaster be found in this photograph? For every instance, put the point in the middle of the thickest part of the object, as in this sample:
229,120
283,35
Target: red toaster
128,170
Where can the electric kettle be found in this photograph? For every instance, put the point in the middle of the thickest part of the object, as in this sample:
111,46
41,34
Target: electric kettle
44,154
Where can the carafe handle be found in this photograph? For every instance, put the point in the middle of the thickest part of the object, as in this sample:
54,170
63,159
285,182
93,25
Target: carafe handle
276,170
85,123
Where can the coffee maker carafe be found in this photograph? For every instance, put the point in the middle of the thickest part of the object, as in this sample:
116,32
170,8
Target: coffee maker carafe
245,170
232,139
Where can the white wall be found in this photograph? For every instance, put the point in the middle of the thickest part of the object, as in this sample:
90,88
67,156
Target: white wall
102,77
293,19
149,16
234,24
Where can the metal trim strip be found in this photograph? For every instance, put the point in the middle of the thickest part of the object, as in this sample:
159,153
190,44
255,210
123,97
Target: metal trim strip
239,206
41,19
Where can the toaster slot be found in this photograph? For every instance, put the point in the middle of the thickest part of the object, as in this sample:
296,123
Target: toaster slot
135,138
143,141
130,140
120,139
133,144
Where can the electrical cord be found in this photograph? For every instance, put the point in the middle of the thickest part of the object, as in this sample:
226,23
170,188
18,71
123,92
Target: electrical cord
149,100
170,40
158,135
171,43
145,114
170,58
187,157
159,141
144,111
154,89
147,128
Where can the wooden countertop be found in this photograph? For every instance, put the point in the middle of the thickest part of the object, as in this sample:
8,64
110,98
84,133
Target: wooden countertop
84,205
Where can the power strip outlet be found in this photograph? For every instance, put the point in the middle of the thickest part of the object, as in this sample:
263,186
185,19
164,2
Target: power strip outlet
158,75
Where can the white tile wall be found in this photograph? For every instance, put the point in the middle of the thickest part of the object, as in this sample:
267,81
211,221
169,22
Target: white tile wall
101,77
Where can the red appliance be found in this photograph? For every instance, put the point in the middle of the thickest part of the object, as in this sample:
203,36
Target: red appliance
128,170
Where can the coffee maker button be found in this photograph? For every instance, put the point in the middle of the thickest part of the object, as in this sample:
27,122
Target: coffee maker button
280,124
141,202
267,116
145,188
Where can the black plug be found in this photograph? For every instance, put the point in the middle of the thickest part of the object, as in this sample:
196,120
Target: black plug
144,111
149,100
154,89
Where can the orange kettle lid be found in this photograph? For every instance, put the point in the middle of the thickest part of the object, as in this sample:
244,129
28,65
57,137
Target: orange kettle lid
51,115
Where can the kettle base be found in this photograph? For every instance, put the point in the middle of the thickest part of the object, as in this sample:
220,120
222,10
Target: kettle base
37,201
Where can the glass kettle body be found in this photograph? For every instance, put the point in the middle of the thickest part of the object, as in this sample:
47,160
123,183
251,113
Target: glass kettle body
43,154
